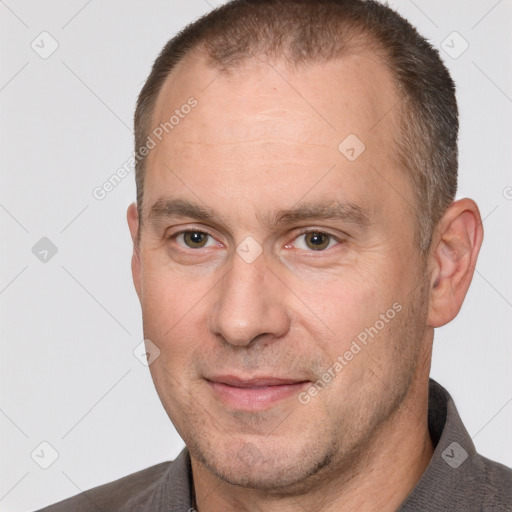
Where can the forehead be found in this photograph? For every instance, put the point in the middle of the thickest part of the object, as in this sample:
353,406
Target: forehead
359,83
266,129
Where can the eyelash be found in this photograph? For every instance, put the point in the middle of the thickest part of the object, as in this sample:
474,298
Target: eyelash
301,233
319,231
176,235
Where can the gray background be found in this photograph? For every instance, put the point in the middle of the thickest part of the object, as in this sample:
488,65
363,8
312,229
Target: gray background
70,323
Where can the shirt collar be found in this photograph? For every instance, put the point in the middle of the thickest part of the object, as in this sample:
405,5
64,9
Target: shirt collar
454,466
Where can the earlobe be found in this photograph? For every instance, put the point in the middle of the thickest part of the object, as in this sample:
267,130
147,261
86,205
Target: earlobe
457,243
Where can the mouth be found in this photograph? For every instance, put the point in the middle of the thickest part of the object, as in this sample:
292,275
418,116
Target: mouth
255,393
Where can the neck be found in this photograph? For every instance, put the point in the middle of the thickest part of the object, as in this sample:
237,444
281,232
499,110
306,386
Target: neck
379,479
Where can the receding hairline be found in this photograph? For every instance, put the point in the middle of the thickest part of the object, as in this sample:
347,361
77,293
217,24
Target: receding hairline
361,42
199,58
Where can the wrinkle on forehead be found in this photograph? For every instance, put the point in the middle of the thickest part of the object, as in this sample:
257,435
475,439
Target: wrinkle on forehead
268,92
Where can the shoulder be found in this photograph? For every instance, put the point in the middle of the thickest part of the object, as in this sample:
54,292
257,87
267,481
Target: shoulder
497,486
113,495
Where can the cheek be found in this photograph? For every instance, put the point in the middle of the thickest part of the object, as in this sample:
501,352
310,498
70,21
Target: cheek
167,294
355,318
174,321
173,313
343,303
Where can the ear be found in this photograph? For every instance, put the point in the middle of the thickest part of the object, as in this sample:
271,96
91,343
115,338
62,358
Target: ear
133,224
456,244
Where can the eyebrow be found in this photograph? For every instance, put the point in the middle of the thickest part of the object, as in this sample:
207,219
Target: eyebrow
347,212
172,208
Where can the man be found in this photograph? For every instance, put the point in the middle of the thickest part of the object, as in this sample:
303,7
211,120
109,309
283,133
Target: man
296,243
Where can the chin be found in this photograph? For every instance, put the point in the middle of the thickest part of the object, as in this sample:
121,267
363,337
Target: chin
284,470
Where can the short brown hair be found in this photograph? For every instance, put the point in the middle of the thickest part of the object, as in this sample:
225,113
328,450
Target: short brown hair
302,31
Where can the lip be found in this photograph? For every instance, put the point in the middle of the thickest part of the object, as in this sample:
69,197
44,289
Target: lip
254,393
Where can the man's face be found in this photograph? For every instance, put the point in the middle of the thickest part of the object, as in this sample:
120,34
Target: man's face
330,274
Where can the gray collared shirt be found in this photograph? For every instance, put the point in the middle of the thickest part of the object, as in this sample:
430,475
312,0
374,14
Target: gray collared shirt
456,479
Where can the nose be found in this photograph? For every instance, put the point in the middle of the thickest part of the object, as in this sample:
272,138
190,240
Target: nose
251,303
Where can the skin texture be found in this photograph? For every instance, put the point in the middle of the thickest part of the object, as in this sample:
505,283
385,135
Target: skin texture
260,141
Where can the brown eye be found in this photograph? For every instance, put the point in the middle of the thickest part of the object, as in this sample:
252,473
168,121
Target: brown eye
317,241
195,239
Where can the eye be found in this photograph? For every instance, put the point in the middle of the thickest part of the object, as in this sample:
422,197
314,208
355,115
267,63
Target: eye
194,239
315,241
